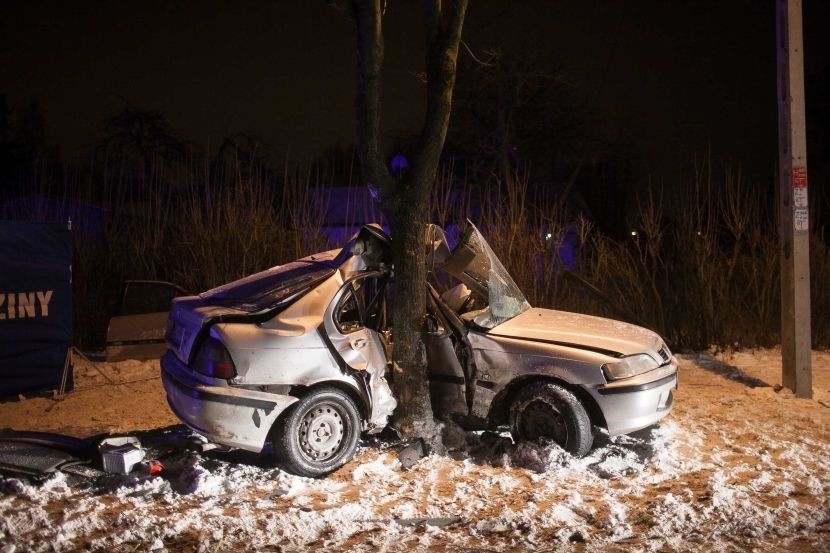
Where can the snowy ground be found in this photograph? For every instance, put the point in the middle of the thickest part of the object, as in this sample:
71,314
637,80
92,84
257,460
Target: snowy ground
739,465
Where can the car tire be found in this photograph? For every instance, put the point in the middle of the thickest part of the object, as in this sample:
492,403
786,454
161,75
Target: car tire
318,434
548,410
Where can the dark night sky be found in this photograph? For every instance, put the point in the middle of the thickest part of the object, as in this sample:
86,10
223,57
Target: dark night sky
681,75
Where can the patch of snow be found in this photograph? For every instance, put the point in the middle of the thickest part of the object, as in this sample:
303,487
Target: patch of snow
734,467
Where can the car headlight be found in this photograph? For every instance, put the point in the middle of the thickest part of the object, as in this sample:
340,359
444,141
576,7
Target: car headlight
629,366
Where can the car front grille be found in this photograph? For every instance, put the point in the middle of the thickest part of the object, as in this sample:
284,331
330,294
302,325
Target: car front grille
664,353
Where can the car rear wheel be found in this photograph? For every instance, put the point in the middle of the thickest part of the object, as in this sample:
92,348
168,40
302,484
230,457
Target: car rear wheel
547,410
319,433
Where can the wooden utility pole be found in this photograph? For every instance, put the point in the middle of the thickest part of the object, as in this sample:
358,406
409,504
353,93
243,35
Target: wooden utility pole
793,208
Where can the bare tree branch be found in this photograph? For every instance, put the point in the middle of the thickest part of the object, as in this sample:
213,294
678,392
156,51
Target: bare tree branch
370,50
443,38
488,63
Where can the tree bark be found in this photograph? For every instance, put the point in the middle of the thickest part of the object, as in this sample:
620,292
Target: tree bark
405,200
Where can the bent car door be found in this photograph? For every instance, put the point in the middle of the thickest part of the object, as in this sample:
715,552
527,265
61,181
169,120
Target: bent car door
474,263
353,322
450,366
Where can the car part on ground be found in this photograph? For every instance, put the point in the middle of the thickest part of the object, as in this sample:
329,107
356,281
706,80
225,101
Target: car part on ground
21,458
42,453
120,454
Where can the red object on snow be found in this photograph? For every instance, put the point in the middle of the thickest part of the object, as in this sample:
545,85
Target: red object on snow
155,467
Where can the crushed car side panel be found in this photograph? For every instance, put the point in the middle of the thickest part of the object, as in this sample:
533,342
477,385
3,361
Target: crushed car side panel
226,415
353,321
272,326
287,349
500,361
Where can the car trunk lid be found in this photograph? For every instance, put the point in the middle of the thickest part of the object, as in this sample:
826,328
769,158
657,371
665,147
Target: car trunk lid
188,316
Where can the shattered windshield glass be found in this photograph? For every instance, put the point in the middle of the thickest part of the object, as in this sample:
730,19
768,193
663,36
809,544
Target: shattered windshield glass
503,295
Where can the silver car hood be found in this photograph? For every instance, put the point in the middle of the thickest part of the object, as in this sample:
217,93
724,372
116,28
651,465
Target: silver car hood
583,331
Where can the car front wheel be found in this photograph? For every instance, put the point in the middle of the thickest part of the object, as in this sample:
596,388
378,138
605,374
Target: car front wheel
547,410
319,433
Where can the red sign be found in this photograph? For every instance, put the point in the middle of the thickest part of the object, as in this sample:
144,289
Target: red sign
799,177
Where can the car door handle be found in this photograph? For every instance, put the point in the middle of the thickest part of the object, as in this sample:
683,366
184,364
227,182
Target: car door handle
359,343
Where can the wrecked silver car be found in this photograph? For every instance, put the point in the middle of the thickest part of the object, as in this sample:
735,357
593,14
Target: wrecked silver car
299,354
496,361
296,352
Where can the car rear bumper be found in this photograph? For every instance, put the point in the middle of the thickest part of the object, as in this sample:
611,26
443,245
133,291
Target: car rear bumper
229,416
639,402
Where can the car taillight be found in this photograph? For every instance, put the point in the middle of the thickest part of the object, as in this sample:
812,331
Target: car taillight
214,360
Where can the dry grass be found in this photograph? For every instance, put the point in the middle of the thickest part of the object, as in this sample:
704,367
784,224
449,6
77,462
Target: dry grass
702,272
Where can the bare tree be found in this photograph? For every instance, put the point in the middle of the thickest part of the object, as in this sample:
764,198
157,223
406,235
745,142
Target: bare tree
520,111
405,198
143,135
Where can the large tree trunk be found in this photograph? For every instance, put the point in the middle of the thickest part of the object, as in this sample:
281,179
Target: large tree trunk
413,418
405,201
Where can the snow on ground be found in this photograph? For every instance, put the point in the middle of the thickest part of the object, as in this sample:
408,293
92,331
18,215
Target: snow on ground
740,464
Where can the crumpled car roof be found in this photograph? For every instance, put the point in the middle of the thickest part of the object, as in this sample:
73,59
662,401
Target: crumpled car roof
264,289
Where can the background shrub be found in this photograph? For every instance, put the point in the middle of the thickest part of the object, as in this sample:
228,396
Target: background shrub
699,266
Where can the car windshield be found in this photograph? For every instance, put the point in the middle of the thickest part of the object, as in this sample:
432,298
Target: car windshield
504,297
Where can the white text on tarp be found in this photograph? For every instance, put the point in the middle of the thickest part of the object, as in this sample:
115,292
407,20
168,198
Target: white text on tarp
25,305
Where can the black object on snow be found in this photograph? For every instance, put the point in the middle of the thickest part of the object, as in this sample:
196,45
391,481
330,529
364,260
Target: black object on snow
32,459
411,454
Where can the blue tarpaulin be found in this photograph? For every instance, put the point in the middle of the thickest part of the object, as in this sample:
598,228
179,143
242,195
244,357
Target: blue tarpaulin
35,307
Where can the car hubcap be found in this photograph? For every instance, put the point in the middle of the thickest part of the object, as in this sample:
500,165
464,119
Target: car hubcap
541,419
321,432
